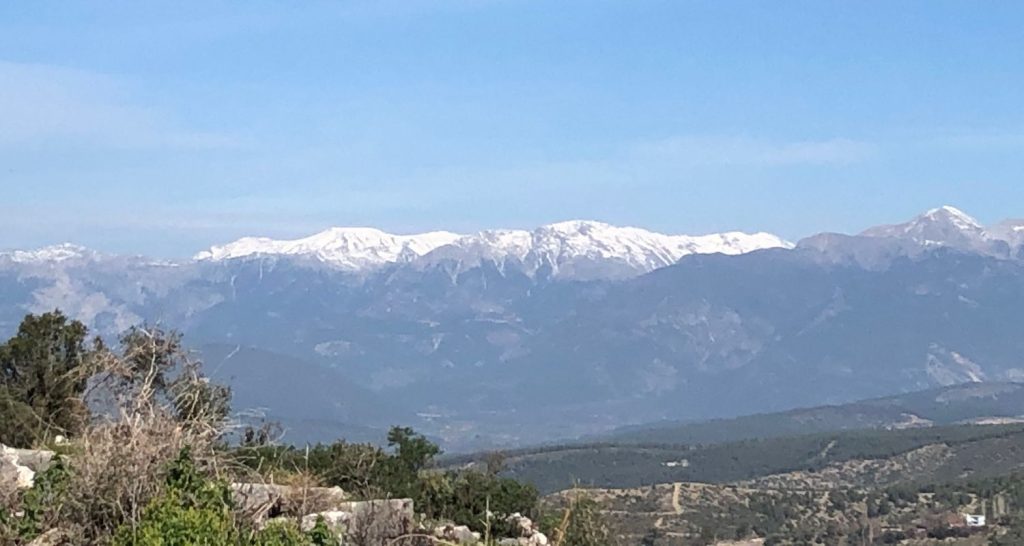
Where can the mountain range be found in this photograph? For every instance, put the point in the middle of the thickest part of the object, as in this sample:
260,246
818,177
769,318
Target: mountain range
511,336
579,250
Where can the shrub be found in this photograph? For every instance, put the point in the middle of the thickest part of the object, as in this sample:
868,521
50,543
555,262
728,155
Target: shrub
192,511
579,523
36,507
197,511
468,496
155,404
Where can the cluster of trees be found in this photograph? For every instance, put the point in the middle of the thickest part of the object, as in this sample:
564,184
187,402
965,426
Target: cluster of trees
476,497
55,381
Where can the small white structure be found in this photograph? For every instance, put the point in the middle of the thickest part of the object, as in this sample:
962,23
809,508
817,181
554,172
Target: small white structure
684,463
974,520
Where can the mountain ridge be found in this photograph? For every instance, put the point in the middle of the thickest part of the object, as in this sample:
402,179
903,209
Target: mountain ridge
563,246
474,349
566,243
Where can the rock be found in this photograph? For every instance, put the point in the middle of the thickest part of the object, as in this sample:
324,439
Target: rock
17,473
53,537
521,523
336,521
373,523
263,501
459,534
529,535
536,539
38,460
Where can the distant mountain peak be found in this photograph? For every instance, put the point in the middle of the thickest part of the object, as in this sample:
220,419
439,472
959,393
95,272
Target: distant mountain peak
954,216
943,226
351,248
53,253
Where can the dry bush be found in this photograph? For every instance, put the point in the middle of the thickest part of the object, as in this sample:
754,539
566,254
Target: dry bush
156,403
120,469
580,523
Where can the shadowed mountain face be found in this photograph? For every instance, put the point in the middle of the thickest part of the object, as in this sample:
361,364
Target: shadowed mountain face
481,352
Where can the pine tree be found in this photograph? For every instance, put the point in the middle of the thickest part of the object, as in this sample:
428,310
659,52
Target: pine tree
43,373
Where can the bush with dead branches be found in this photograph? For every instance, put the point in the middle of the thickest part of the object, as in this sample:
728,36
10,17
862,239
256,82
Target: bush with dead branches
149,401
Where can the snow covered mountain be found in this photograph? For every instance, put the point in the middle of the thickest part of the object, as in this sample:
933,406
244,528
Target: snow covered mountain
49,254
585,250
947,226
575,249
951,227
352,249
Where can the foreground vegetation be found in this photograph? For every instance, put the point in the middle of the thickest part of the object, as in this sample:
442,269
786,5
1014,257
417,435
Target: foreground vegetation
145,457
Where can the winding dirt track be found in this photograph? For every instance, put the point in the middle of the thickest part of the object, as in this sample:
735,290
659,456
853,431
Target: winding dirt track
676,488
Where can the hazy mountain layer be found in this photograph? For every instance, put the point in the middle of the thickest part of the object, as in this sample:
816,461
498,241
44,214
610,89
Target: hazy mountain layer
506,337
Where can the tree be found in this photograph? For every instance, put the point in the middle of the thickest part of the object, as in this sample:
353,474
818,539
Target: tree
154,368
44,371
413,452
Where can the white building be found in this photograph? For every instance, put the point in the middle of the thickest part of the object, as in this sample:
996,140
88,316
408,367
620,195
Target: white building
974,520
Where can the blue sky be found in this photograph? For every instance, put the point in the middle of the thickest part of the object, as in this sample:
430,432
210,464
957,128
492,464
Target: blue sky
162,128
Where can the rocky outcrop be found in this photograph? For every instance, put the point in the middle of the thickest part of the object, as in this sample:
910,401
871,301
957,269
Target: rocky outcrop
526,533
458,534
262,501
385,522
53,537
18,467
529,534
373,522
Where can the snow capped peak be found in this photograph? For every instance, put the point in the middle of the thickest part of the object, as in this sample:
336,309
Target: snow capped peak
586,249
952,215
50,254
344,247
577,226
943,226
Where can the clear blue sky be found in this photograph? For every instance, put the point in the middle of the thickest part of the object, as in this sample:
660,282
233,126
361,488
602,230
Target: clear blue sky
162,128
